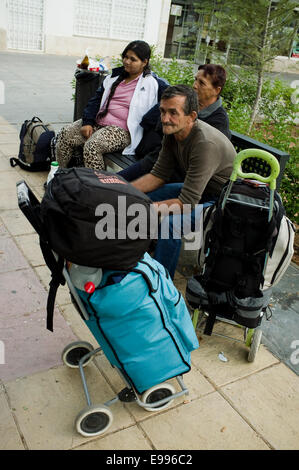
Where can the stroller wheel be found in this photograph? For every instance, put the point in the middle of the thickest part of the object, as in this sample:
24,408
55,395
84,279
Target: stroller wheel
94,420
156,393
255,344
72,353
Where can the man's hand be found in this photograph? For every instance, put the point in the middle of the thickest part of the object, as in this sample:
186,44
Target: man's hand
174,206
148,183
86,131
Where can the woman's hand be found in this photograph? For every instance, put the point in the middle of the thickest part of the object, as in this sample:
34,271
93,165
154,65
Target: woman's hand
86,131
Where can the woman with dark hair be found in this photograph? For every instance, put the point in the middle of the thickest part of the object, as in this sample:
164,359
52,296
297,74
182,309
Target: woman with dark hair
111,119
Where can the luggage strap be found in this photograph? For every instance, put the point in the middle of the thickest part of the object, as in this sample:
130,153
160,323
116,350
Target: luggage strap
56,268
38,166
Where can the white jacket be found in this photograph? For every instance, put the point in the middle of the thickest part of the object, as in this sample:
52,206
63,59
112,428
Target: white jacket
144,98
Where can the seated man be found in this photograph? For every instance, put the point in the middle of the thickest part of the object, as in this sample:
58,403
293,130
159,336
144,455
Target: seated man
202,153
208,84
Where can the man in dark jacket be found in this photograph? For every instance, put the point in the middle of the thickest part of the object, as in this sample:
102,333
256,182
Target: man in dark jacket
208,84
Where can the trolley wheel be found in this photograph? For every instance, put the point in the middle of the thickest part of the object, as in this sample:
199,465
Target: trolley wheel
255,344
72,353
93,420
156,393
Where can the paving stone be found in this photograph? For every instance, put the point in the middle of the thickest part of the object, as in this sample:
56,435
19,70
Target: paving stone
8,180
11,257
21,292
127,439
194,381
10,149
5,164
269,399
9,436
16,222
29,346
3,231
7,128
8,137
208,423
207,360
46,405
33,179
29,244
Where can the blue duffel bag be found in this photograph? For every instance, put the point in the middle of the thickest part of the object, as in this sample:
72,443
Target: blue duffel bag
142,323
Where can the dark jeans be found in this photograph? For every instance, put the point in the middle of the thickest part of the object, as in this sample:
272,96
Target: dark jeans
132,172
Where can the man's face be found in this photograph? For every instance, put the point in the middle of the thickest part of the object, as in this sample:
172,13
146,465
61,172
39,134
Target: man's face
206,92
173,118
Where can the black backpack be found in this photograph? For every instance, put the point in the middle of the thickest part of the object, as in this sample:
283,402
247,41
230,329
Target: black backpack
237,239
35,146
96,218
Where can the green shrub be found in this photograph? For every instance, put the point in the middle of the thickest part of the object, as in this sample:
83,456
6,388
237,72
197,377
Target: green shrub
172,70
240,85
275,127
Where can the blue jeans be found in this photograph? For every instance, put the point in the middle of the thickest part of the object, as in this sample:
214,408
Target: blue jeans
173,227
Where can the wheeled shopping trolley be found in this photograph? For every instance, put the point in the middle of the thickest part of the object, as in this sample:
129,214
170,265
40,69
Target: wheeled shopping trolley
209,300
95,419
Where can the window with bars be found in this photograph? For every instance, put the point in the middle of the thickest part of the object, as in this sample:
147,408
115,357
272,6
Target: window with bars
25,24
117,19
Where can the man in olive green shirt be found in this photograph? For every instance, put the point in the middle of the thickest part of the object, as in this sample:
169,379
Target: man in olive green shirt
202,152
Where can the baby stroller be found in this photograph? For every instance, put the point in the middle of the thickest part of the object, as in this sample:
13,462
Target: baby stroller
96,419
240,232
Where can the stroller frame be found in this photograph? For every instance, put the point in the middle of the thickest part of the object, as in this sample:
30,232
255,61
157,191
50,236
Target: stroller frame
95,419
252,336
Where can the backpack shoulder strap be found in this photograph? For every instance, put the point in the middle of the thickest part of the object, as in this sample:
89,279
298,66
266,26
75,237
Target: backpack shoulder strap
56,268
38,166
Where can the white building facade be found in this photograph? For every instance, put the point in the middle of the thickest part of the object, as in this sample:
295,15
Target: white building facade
69,27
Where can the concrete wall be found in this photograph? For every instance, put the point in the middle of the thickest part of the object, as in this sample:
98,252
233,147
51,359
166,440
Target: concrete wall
59,37
3,25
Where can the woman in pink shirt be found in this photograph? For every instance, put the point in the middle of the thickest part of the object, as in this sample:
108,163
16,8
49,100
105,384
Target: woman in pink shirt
111,119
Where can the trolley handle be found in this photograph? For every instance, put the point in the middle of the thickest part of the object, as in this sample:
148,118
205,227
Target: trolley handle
260,154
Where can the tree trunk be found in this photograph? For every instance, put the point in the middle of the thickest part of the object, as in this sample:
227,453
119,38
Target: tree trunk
227,51
261,70
198,38
257,100
208,37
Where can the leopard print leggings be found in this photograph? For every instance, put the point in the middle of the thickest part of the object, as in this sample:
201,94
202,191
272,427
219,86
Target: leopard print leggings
103,140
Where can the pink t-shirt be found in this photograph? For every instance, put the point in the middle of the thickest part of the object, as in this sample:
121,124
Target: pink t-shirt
119,106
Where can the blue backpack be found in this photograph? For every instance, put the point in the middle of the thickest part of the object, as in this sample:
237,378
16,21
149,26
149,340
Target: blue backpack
142,323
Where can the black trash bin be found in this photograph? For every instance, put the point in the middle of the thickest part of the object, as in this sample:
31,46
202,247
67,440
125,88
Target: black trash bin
87,82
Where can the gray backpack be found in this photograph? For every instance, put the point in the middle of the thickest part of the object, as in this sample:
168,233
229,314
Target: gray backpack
35,146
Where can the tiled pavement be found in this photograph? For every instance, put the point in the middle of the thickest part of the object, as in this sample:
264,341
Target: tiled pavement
231,405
